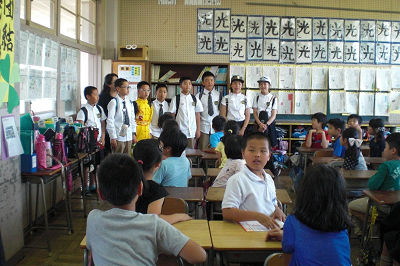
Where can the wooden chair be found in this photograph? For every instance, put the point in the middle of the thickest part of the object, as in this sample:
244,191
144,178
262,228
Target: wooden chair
278,259
174,205
323,153
365,152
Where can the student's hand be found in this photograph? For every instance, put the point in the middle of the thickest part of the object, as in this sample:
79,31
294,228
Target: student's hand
274,234
197,136
133,138
278,214
102,140
320,131
262,127
241,131
312,131
267,221
114,143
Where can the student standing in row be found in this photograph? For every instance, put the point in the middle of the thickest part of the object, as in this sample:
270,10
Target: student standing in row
235,106
187,109
144,112
160,106
210,99
121,124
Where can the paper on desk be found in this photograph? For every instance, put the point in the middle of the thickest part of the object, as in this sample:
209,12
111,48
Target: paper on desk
255,226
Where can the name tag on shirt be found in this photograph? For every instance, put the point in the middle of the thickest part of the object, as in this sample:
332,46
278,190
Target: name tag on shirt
193,103
98,115
216,102
243,102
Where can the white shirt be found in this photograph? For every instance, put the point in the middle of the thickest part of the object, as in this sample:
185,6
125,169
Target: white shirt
247,191
154,129
264,103
205,119
230,168
94,117
186,117
115,119
237,105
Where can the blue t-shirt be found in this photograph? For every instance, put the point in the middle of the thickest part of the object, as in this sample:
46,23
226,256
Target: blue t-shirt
313,247
173,172
215,138
338,149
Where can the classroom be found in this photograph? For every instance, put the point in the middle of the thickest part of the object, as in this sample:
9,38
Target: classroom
297,101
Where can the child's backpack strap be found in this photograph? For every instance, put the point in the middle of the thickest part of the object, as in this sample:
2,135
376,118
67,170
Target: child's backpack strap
178,98
116,105
85,113
201,93
226,104
135,107
220,100
100,110
194,99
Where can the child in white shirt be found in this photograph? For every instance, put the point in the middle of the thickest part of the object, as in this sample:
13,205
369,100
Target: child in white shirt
160,106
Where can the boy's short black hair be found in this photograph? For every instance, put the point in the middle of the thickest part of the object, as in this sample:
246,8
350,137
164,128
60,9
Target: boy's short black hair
182,79
337,123
207,74
321,118
164,117
119,82
218,123
175,139
359,118
393,141
161,85
119,178
148,152
321,201
233,146
88,91
170,124
142,83
255,135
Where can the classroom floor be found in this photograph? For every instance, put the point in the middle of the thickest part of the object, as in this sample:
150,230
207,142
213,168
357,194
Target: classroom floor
66,250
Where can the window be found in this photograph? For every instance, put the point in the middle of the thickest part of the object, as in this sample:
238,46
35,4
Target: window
69,79
67,23
42,12
88,21
22,10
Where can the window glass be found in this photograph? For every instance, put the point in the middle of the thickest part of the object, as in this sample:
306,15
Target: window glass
42,13
87,31
68,24
88,10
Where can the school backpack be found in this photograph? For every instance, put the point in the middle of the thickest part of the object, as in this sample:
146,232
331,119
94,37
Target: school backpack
85,112
87,139
178,98
71,141
136,106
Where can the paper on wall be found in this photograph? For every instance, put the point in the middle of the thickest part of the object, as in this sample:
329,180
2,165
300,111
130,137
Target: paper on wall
351,101
318,102
383,79
132,73
366,103
251,96
336,78
286,77
273,73
237,70
382,104
253,74
336,102
285,102
396,77
394,101
319,78
303,78
367,79
11,138
302,103
133,92
352,78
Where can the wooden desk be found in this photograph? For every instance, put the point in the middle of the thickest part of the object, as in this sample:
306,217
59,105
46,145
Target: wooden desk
194,155
213,172
209,158
383,197
197,230
192,195
306,152
368,160
197,173
357,179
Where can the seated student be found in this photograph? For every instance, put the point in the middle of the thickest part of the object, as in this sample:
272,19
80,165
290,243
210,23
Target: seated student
218,124
231,128
148,154
335,129
121,236
316,233
376,129
175,169
355,121
388,176
353,158
250,194
390,229
317,137
235,162
160,106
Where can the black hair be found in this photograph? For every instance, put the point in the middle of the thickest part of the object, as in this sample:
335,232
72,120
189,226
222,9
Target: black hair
255,135
119,82
218,123
164,117
175,139
170,124
353,152
359,118
321,201
231,128
148,151
393,141
207,74
88,91
379,128
337,123
233,147
182,79
119,178
140,84
161,85
107,82
321,118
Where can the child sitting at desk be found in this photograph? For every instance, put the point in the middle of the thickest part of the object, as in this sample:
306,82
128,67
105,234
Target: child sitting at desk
231,128
316,233
355,121
175,169
148,154
353,158
121,236
250,194
317,137
376,129
218,124
335,129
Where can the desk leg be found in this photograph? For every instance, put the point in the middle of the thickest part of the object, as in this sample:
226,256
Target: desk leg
46,222
37,203
85,257
365,224
211,211
30,204
82,173
54,199
67,199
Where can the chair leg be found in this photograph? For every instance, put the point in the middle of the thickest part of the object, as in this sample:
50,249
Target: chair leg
46,222
37,203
